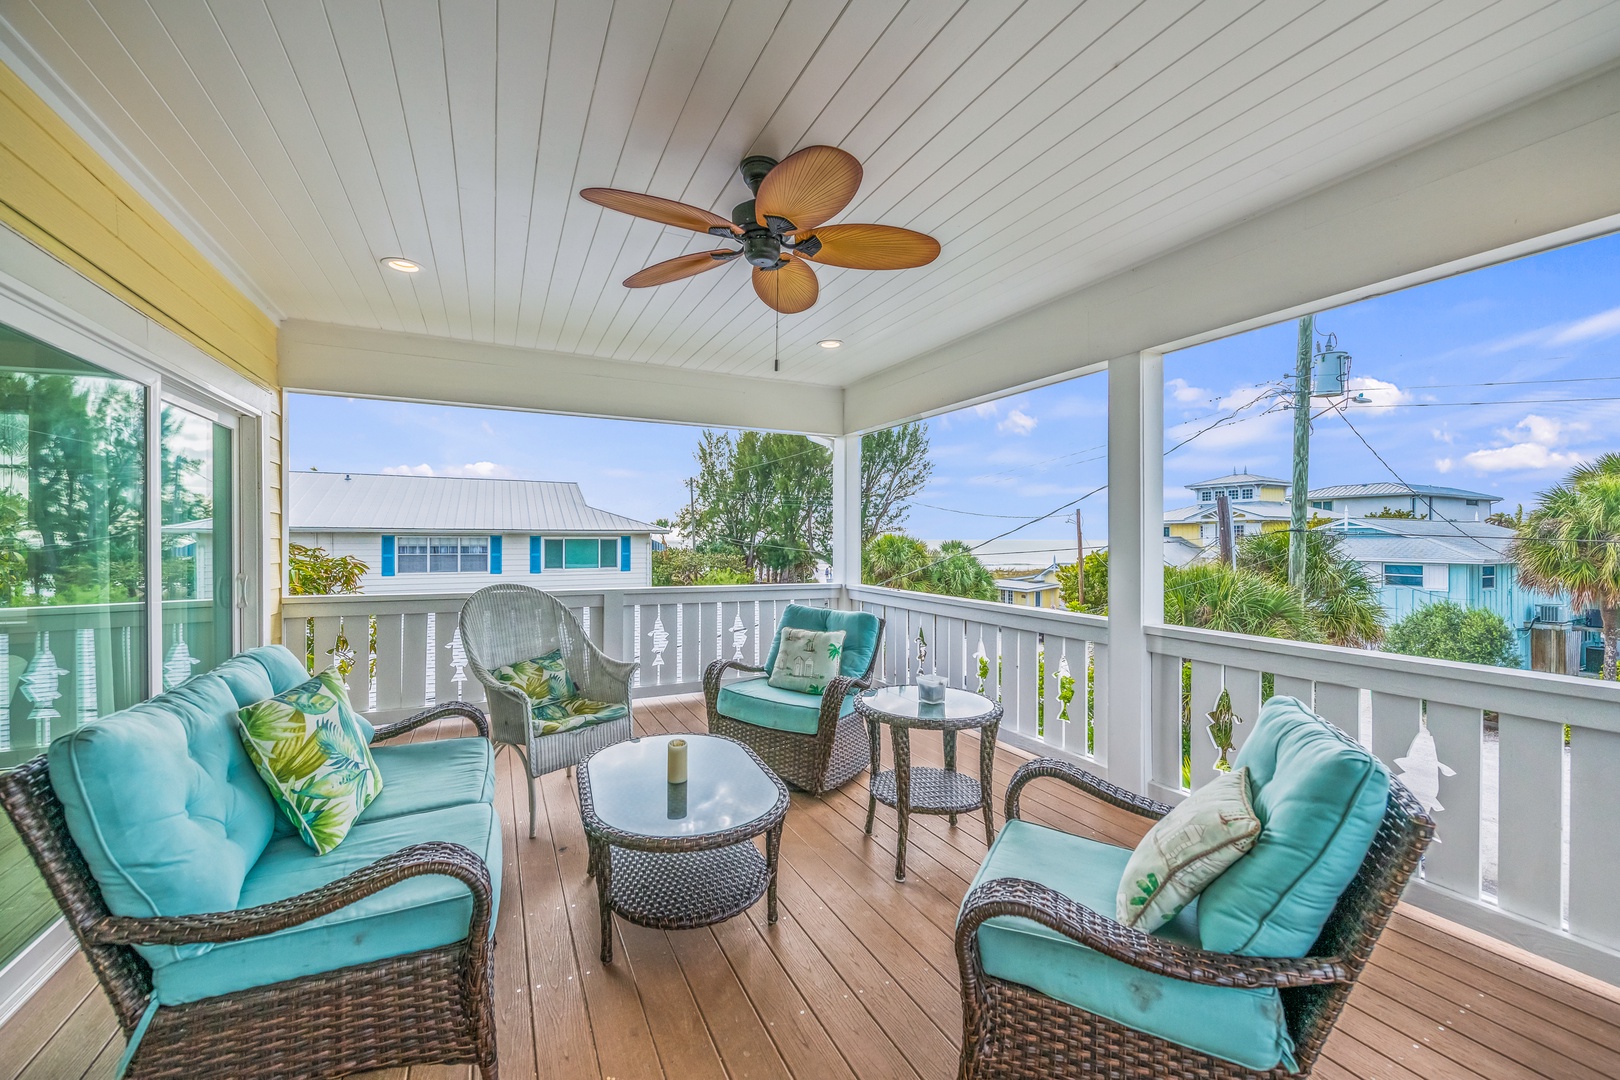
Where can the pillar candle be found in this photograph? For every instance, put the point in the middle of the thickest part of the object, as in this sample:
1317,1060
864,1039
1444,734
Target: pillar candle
677,761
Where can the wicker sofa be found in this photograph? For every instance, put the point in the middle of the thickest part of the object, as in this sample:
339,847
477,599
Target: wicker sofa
1244,983
226,945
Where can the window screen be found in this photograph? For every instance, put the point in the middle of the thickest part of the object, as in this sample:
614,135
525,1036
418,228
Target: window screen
412,555
554,554
444,554
475,555
1487,577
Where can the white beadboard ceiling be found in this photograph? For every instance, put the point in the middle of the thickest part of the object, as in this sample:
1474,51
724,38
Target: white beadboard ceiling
1046,143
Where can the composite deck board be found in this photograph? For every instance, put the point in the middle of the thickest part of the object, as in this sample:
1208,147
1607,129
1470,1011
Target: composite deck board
857,981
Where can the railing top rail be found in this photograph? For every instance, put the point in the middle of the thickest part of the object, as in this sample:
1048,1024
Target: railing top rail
1042,620
372,603
1535,694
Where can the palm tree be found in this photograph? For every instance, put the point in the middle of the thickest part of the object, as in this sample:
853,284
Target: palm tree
1571,544
1342,599
1217,597
896,560
955,571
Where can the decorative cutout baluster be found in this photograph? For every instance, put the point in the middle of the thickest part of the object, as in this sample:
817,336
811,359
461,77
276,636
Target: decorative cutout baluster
40,681
178,662
739,635
86,661
660,641
1421,770
458,661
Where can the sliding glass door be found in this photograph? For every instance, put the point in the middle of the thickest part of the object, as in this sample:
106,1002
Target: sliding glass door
199,615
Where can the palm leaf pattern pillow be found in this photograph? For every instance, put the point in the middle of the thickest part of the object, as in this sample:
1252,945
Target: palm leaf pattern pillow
307,746
544,679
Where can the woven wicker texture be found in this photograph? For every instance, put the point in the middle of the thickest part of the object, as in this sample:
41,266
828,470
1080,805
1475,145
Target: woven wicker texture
826,760
505,624
1013,1031
432,1007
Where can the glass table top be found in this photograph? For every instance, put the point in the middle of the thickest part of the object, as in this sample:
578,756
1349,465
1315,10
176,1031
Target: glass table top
631,792
903,702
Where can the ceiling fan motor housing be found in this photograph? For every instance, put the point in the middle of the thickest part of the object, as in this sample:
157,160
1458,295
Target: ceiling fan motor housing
759,245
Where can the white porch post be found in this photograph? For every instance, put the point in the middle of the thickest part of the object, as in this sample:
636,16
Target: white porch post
846,509
1135,559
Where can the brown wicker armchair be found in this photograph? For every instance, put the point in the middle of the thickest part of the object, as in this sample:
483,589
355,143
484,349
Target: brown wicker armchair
1011,1030
429,1007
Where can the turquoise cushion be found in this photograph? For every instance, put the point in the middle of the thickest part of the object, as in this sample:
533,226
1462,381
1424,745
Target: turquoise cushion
418,913
1320,798
164,804
1239,1025
860,635
757,702
431,775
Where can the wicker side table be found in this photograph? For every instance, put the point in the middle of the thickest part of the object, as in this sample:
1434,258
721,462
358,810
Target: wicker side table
678,856
920,790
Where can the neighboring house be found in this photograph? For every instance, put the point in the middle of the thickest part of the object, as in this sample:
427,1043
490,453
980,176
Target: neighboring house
1034,590
455,534
1419,500
1259,504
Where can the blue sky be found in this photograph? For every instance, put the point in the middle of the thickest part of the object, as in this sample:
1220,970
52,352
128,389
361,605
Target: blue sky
1423,357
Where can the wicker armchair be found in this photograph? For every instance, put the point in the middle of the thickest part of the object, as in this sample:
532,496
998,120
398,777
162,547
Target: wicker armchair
506,624
818,761
429,1007
1011,1030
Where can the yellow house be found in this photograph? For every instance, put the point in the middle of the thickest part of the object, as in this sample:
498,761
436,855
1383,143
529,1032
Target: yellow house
1259,504
1033,590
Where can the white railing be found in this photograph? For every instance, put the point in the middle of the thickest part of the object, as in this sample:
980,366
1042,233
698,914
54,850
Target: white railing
62,666
417,657
1046,667
1527,847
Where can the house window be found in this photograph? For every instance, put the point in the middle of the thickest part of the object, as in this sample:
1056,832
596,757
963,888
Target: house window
582,553
1402,574
1487,577
442,555
1167,530
1006,596
1248,493
1470,502
1231,493
1240,529
1206,496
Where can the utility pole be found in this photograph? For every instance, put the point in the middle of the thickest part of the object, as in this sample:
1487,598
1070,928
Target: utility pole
1223,524
1079,561
1302,452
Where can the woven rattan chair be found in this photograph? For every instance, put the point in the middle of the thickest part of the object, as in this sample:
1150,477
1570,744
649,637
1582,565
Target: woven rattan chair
1011,1030
429,1007
507,624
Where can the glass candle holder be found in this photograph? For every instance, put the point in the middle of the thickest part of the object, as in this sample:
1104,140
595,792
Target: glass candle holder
931,689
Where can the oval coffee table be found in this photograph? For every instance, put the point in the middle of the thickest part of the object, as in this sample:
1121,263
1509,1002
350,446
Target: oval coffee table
925,790
678,856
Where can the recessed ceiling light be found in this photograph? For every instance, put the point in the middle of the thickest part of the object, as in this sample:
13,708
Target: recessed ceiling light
404,266
829,343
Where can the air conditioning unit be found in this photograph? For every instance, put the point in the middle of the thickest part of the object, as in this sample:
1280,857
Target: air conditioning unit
1549,613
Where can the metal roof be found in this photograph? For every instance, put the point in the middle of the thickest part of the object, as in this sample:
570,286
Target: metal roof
1403,540
1255,511
1353,491
1238,478
367,502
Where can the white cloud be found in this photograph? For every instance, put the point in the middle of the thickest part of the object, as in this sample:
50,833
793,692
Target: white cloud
409,470
1184,393
483,469
1602,325
986,408
1538,439
1017,422
1381,396
1442,464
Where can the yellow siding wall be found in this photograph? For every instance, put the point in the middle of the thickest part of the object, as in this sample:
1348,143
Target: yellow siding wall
1185,529
1269,493
1274,526
57,192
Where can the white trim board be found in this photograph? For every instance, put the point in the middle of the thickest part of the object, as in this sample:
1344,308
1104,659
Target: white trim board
30,969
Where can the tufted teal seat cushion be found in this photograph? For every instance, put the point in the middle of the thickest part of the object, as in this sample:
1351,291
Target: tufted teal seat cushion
757,702
164,804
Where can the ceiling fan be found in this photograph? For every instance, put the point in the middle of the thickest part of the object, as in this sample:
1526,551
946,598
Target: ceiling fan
780,230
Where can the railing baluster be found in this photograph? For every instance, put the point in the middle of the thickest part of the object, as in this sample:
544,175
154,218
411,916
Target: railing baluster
1594,807
1166,733
1027,704
413,662
1052,727
1454,862
1395,723
390,662
1530,835
1341,706
1094,728
1243,687
1289,686
326,635
1206,690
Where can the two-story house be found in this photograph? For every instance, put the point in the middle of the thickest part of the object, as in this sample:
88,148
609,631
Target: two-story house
1420,500
1259,504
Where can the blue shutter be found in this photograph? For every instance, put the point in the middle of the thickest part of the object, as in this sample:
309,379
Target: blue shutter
534,554
624,553
494,554
388,556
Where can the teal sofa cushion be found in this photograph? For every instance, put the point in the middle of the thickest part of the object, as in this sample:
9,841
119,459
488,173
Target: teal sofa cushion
757,702
431,776
1239,1025
418,913
860,635
1319,797
164,803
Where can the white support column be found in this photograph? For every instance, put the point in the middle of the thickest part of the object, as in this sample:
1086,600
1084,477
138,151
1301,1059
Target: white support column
1135,558
846,509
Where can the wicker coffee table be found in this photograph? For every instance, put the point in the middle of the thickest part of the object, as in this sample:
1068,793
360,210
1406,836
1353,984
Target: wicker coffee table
924,790
678,856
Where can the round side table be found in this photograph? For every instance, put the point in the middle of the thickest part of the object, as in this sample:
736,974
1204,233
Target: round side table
921,790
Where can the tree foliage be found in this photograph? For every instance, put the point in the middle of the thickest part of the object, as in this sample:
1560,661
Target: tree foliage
1217,597
764,497
1342,600
1570,544
1508,521
899,561
1398,515
1446,630
894,467
314,572
685,566
1096,568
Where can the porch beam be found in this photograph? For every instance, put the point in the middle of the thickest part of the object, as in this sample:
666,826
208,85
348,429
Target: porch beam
354,362
846,521
1135,561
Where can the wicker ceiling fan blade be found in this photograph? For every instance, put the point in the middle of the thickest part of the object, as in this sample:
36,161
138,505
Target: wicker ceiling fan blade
683,267
790,290
873,247
809,186
653,208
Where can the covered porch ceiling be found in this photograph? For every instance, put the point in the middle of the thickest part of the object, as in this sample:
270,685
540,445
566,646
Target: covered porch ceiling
1104,177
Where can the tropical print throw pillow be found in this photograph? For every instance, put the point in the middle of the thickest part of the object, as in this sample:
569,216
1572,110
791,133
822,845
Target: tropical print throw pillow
806,660
307,745
574,712
1186,850
544,679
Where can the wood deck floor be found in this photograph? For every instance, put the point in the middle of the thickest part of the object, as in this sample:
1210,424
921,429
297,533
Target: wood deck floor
858,979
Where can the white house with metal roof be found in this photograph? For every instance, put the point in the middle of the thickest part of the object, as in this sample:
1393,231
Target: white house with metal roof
1421,500
456,534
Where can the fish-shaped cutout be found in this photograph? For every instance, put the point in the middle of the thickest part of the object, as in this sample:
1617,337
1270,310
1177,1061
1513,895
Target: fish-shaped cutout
1421,770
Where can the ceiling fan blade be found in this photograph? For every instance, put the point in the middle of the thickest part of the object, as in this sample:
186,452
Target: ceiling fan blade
653,208
683,267
873,247
809,186
790,290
